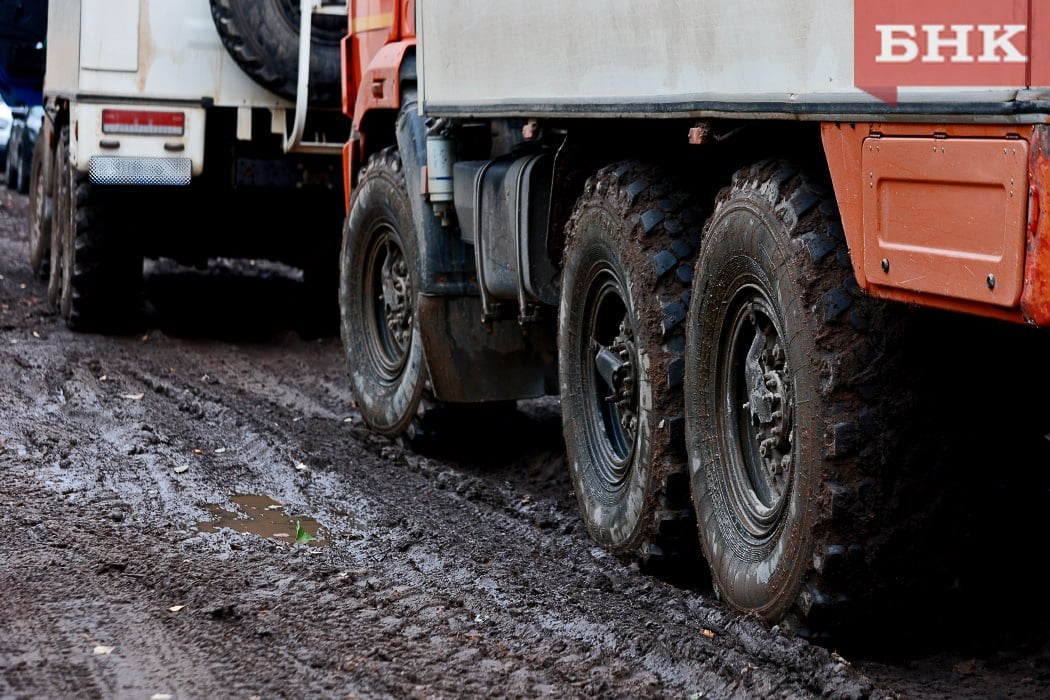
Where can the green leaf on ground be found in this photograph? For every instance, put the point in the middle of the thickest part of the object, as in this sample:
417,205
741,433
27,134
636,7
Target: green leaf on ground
301,535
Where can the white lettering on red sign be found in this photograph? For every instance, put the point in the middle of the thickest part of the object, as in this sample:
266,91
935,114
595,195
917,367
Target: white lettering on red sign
901,43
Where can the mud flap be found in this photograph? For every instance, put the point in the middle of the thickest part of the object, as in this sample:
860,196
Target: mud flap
470,362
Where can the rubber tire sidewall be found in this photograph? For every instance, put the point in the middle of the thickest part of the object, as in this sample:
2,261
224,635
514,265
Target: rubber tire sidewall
40,202
386,407
746,241
61,219
613,518
22,172
9,165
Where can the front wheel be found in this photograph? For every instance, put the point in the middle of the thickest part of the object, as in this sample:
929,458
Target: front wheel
377,300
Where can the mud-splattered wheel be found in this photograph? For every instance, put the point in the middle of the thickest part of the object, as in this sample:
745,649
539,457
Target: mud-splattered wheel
377,299
96,270
60,219
627,265
783,380
40,191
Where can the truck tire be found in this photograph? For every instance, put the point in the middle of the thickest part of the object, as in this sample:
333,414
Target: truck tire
21,174
101,272
786,422
60,218
625,289
39,218
263,38
377,300
10,171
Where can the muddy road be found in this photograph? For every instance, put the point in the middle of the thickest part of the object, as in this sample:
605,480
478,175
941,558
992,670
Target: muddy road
154,485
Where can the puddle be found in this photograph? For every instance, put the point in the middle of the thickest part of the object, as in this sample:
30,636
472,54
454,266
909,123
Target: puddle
263,516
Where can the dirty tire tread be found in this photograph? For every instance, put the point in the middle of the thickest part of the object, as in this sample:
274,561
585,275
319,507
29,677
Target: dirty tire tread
21,177
100,271
401,408
40,203
106,277
855,359
660,231
60,219
264,43
10,170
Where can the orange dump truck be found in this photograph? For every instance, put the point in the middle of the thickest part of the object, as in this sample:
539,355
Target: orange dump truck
701,233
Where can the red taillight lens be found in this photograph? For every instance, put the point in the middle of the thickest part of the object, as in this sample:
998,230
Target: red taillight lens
127,121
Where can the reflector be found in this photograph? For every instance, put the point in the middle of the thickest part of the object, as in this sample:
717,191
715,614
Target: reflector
127,121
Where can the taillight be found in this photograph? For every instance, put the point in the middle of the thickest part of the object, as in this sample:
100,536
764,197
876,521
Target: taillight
128,121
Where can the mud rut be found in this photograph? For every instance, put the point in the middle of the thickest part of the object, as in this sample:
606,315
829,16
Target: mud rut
466,574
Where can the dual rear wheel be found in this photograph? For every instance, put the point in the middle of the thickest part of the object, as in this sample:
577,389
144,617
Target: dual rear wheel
779,365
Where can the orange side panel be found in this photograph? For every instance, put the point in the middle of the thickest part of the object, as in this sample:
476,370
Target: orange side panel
381,31
372,24
349,81
946,216
935,214
379,83
408,19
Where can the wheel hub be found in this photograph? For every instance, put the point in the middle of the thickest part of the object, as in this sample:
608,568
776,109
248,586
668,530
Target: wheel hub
622,382
396,304
768,403
611,380
389,303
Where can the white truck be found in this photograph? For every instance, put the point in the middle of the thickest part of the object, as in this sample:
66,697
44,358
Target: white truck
700,224
185,130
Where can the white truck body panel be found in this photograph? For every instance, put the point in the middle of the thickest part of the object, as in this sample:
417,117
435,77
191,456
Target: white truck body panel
115,44
163,49
623,55
145,54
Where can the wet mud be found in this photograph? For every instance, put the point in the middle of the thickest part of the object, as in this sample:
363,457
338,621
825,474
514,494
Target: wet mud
159,490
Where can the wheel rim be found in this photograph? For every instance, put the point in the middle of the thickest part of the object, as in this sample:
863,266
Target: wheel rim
756,419
609,371
388,298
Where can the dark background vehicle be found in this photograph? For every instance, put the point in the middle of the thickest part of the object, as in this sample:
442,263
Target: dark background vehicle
6,118
19,160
